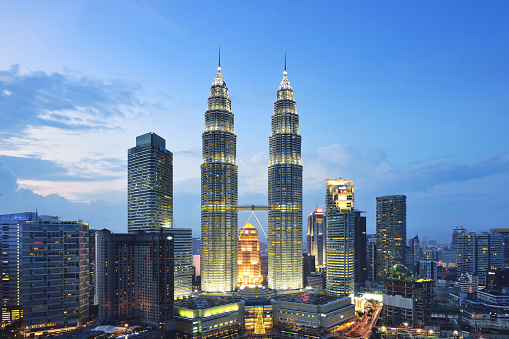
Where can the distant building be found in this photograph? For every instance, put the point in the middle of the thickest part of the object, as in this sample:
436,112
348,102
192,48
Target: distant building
490,253
134,277
427,269
361,265
487,313
415,253
340,261
480,253
316,237
390,233
468,283
371,256
497,280
308,267
45,272
505,233
149,185
250,273
446,259
455,233
466,253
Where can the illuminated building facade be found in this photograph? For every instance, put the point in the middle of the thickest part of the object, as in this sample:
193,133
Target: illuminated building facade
134,277
45,277
285,193
219,196
390,233
250,272
339,200
150,185
316,237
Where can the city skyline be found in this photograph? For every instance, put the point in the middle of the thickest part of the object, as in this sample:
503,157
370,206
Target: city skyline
424,118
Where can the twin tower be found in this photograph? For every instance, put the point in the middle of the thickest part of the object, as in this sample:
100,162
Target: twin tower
219,193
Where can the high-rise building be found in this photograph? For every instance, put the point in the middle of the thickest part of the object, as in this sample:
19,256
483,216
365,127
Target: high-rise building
250,271
490,253
390,233
427,268
339,201
183,261
414,255
285,193
466,250
150,203
455,233
134,277
454,242
505,234
360,250
219,196
371,257
45,272
316,237
150,185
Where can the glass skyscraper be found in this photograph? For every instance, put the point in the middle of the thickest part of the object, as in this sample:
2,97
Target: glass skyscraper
316,237
150,185
339,201
219,197
390,233
285,193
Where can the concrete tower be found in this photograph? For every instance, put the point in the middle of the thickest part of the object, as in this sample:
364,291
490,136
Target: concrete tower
285,192
219,195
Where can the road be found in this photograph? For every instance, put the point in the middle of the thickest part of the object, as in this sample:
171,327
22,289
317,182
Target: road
359,330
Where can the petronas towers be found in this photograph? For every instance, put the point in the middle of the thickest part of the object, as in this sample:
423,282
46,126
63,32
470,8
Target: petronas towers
219,193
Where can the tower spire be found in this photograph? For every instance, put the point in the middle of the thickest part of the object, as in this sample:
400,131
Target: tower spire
219,64
285,64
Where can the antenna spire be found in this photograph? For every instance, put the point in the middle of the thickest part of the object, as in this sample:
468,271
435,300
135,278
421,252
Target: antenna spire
285,64
219,64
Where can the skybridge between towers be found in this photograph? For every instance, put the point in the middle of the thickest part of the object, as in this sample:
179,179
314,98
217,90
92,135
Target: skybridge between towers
253,209
249,208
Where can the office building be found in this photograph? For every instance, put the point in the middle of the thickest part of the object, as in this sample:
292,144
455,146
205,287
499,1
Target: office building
360,250
134,277
427,269
490,253
339,201
390,233
414,253
149,185
183,273
316,237
250,271
308,267
219,196
455,233
285,193
371,257
466,250
505,234
497,280
45,272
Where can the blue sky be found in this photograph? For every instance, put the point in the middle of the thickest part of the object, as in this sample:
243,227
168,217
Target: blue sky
403,97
